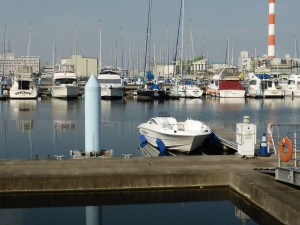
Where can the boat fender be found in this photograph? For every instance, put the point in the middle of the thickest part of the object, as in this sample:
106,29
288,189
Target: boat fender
143,138
161,146
214,138
143,144
285,141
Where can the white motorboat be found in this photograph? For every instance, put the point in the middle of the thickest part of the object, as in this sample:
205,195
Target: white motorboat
65,83
186,89
183,137
262,85
23,84
112,86
293,86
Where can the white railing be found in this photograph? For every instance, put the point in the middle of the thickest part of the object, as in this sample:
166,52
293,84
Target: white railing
276,132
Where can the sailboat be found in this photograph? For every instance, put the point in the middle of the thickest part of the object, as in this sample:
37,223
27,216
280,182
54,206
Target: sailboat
184,88
151,90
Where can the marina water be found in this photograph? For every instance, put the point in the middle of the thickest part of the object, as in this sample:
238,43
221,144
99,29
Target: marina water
40,129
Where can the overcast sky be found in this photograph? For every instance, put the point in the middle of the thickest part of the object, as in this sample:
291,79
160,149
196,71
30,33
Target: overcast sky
124,24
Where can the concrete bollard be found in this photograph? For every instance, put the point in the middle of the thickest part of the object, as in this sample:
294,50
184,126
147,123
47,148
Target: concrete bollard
92,116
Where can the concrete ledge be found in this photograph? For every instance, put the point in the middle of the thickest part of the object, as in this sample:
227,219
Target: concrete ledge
118,174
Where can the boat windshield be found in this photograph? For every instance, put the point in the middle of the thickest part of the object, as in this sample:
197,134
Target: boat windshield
65,81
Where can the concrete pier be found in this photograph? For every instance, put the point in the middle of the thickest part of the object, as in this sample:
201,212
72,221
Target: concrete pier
120,174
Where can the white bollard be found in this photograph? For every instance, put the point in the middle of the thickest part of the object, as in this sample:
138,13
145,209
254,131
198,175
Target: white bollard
92,116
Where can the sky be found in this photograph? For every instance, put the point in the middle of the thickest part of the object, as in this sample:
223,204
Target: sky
74,26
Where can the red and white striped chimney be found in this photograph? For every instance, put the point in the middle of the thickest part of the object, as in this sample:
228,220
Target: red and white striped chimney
271,39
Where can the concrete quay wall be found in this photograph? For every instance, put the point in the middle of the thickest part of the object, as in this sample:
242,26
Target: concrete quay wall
44,176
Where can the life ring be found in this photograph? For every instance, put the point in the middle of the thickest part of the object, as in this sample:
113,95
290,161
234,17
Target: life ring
285,141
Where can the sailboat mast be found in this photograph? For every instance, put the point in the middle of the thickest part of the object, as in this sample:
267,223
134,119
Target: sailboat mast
100,47
148,38
29,43
4,52
182,30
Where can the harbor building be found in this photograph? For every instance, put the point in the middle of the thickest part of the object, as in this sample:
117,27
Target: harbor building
9,63
84,66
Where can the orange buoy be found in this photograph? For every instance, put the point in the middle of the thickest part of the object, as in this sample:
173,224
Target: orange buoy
285,141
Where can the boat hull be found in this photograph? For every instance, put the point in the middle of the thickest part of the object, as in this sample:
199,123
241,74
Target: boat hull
112,92
23,94
65,91
151,94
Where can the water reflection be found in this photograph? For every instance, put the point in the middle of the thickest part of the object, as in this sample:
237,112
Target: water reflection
197,206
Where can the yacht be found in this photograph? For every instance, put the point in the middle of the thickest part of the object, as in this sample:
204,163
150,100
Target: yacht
65,83
226,84
23,84
293,86
186,88
112,86
263,86
182,137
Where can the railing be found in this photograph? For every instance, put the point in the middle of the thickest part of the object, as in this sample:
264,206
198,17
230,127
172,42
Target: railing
276,132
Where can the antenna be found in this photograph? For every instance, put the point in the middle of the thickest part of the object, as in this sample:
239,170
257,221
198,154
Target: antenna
29,43
100,46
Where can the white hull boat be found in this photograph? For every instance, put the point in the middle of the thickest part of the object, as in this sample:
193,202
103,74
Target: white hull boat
65,91
112,86
23,85
178,136
262,85
293,86
65,84
185,91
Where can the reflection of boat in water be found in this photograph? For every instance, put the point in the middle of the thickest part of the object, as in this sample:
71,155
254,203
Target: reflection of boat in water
165,132
64,125
24,125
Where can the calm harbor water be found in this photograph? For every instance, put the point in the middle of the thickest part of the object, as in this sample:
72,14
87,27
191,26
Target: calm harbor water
48,127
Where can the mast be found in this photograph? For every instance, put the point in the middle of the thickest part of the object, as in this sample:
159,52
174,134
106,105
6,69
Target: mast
148,38
182,30
192,46
4,53
100,47
178,31
75,50
29,44
53,55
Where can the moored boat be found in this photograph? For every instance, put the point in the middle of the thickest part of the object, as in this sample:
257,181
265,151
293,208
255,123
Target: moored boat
186,88
65,83
226,84
293,86
262,85
151,90
112,86
23,84
183,136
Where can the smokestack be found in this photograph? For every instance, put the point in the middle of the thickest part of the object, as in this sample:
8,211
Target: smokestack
271,39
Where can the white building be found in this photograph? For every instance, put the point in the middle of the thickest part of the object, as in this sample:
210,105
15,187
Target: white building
83,66
9,62
199,65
